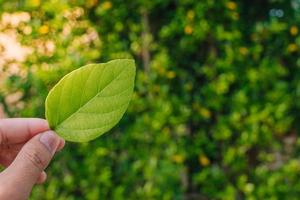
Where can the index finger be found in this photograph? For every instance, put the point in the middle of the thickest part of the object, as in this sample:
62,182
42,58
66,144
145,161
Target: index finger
18,130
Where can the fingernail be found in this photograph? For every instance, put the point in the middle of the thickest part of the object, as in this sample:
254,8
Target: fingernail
49,139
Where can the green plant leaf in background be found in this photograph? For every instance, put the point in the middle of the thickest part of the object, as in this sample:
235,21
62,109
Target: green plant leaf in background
91,100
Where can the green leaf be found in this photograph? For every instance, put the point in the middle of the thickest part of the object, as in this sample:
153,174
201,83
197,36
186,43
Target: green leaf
91,100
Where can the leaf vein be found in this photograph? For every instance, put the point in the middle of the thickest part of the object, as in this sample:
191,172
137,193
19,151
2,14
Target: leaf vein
116,78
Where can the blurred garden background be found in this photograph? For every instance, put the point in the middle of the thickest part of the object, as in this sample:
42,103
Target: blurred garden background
216,109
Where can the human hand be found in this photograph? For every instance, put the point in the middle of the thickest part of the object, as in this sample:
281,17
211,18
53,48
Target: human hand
26,148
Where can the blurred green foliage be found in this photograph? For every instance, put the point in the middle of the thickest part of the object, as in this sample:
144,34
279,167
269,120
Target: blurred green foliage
215,114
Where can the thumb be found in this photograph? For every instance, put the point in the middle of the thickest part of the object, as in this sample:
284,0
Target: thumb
33,158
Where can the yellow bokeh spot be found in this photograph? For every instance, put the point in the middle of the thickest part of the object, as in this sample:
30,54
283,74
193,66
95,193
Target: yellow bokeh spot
254,37
161,70
235,16
292,47
205,113
34,3
188,30
156,88
294,30
166,130
195,106
188,86
171,74
91,3
106,5
243,50
27,30
231,5
203,160
178,158
44,29
190,14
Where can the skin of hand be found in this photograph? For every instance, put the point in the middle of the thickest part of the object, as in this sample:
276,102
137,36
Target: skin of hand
27,145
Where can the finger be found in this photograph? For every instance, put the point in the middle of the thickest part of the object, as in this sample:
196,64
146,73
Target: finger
33,158
61,144
42,178
9,154
18,130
